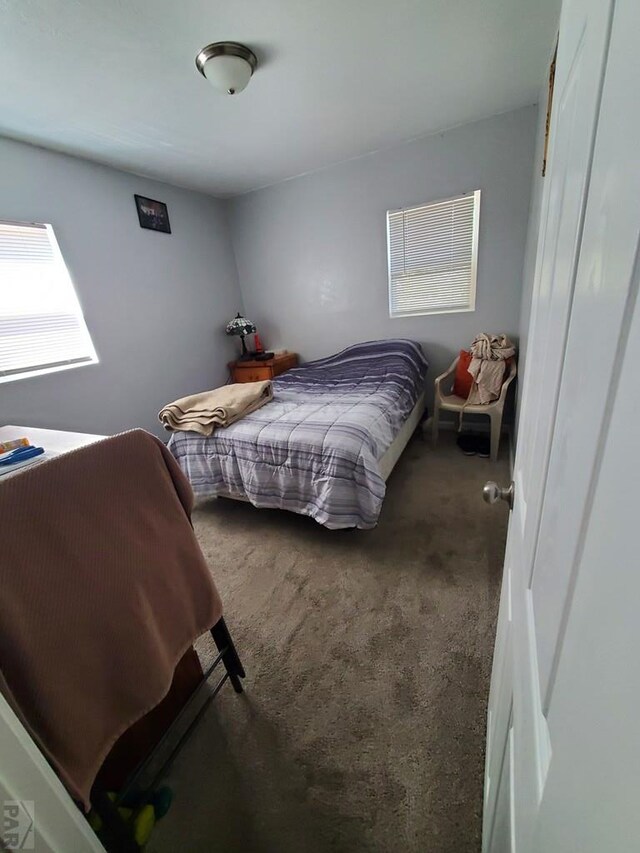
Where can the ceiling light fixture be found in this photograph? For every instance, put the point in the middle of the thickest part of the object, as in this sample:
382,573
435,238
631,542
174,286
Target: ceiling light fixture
227,65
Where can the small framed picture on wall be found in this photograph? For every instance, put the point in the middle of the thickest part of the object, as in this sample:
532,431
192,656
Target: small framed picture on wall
152,214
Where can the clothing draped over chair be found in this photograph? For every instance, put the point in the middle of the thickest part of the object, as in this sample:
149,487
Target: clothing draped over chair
489,354
104,588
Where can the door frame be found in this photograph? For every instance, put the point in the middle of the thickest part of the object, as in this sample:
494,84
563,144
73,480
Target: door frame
25,777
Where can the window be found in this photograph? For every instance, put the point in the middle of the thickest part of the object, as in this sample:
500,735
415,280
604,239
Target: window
433,251
41,324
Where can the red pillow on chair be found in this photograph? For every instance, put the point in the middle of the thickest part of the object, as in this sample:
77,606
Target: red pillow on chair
463,379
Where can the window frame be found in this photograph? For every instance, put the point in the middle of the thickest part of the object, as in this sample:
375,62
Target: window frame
474,256
54,367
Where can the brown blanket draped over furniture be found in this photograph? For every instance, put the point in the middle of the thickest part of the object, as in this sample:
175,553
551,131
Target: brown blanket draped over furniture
104,589
140,740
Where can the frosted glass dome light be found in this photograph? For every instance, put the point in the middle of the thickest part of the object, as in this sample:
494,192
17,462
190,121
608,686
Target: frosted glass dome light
227,65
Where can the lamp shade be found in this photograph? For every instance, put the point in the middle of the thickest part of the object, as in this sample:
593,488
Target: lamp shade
240,326
229,74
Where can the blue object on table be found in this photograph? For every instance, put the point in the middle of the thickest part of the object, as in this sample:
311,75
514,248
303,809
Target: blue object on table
20,454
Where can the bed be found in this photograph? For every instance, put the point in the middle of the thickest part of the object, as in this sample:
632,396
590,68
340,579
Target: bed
327,442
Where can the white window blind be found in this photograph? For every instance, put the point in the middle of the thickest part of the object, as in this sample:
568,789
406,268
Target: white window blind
41,324
433,251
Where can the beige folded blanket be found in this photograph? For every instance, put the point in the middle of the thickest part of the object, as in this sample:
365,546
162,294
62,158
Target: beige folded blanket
218,408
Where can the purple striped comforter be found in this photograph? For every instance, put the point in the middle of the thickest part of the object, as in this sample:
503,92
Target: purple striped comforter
315,448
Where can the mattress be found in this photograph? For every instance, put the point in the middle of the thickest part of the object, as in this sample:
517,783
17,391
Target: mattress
316,448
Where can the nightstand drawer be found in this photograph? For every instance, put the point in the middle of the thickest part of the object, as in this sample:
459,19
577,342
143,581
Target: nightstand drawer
251,374
256,371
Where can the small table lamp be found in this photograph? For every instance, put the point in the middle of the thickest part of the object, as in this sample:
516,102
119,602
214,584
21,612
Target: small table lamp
241,326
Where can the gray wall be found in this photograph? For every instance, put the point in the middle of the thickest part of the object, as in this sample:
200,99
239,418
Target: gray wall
311,252
155,304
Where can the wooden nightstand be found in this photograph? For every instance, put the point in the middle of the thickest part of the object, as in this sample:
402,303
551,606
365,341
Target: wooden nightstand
254,371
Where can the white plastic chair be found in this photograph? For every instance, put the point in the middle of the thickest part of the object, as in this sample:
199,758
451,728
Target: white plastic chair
451,403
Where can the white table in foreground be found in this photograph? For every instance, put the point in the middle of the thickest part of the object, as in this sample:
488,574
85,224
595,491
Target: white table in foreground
54,441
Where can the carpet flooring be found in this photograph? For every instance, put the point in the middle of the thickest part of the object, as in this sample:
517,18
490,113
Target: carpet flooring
368,658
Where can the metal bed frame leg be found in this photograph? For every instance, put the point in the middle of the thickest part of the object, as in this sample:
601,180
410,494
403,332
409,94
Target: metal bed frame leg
230,658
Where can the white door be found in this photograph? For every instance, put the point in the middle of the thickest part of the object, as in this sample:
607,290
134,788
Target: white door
583,305
37,812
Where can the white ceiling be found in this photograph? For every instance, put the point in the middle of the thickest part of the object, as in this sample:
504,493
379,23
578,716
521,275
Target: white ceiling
115,80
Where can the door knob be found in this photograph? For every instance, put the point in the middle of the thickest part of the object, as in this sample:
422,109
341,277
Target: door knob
492,493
